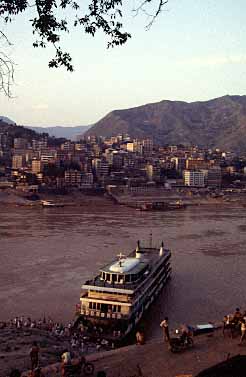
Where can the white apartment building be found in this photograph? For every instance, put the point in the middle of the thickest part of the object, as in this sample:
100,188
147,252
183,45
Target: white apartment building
194,178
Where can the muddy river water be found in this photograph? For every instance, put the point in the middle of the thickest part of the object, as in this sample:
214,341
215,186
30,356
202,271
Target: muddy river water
46,254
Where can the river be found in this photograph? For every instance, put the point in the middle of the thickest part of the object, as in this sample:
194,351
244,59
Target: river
46,255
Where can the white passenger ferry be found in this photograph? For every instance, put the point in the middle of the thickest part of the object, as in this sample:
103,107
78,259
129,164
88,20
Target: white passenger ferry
112,304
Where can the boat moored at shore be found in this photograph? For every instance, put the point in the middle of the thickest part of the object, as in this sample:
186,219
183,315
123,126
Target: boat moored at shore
112,304
49,203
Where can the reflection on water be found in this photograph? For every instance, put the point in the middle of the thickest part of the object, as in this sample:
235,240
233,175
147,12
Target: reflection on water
45,256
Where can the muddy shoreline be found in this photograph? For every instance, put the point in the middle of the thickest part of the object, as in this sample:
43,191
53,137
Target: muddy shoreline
11,198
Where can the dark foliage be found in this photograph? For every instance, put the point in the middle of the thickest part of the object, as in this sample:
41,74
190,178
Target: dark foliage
233,367
48,25
52,18
14,131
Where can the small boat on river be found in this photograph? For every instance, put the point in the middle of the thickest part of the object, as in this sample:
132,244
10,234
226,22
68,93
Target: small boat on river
50,204
112,304
162,206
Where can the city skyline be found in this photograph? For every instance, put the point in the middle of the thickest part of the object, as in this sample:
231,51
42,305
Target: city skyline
195,52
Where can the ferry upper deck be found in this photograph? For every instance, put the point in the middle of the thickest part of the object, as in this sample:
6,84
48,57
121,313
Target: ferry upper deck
126,274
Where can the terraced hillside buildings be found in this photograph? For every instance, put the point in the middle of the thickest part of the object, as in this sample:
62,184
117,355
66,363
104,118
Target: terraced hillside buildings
97,164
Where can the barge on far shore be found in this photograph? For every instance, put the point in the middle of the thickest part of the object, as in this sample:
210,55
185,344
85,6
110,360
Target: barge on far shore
112,304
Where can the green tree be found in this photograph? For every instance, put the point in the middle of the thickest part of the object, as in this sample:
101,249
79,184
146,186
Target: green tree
48,25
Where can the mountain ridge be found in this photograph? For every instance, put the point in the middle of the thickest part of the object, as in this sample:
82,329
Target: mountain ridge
6,120
219,122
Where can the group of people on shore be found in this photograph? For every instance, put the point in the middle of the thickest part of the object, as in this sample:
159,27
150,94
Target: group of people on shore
22,323
184,330
235,323
77,344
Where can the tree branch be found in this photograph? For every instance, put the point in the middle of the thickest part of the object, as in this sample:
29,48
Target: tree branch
141,8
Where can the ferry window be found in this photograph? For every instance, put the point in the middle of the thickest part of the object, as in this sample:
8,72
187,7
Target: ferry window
90,305
114,277
94,305
127,278
118,308
121,278
104,308
108,277
110,308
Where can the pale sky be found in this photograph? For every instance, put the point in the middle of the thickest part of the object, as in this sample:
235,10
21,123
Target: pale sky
196,50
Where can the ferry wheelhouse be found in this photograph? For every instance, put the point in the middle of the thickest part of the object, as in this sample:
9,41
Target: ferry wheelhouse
112,304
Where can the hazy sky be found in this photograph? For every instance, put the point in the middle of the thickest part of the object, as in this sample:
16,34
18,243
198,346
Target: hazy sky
196,50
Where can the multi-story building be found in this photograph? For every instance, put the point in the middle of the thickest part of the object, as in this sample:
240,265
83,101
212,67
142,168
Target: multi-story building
138,146
96,150
73,178
101,167
86,180
194,178
130,146
4,140
17,162
38,145
180,163
37,166
20,143
147,146
68,146
153,172
196,164
118,160
214,177
47,157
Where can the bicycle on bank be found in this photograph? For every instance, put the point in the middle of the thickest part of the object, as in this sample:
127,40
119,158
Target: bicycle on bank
81,368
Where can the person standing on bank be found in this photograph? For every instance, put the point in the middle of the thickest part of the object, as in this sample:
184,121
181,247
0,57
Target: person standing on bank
34,352
164,326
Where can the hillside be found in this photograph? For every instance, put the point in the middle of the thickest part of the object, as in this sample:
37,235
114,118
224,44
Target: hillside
6,120
13,131
220,122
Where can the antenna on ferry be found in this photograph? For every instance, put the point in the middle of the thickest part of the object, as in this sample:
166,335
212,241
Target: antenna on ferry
150,240
138,246
138,252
